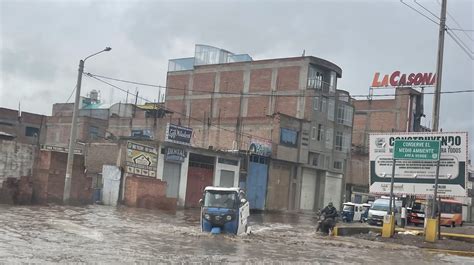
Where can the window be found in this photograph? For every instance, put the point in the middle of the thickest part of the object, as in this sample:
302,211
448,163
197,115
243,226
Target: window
93,132
340,114
32,132
315,78
344,114
457,208
338,144
313,133
331,109
288,137
320,132
329,139
338,164
316,159
348,116
316,103
344,97
346,142
332,82
324,104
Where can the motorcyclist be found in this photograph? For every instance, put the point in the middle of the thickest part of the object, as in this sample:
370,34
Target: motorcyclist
329,221
329,211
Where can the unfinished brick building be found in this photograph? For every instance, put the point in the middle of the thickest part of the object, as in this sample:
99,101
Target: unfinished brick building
291,105
401,113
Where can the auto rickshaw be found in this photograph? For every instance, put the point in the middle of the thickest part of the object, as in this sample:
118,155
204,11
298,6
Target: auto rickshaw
352,212
224,210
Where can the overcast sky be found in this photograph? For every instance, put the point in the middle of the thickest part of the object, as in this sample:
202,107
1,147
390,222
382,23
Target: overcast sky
41,43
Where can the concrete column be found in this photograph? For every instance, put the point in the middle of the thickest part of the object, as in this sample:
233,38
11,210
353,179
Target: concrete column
300,106
273,87
214,103
246,89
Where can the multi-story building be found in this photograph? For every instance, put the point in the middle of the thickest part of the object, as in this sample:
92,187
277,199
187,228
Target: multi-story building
402,113
288,112
23,127
20,135
92,121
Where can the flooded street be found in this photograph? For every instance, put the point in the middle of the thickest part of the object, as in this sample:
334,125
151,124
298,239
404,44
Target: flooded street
103,234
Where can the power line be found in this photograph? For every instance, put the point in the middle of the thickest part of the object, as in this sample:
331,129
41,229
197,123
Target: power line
462,42
190,117
460,45
269,94
72,93
453,35
235,131
429,11
457,23
417,11
465,30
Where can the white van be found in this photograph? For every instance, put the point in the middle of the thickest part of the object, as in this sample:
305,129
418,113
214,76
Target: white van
379,209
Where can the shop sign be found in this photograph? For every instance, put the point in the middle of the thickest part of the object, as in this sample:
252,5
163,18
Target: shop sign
175,154
178,134
141,160
397,79
260,147
59,149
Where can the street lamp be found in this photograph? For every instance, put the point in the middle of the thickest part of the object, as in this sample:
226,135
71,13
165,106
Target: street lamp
72,138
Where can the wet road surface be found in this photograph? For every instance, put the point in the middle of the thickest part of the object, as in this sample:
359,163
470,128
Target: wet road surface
102,234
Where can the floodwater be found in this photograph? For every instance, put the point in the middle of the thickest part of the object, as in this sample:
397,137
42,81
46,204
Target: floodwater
103,234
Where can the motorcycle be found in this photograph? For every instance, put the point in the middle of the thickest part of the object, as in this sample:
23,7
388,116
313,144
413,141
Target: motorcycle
325,225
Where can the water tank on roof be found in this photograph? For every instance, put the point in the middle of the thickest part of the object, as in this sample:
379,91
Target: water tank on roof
94,95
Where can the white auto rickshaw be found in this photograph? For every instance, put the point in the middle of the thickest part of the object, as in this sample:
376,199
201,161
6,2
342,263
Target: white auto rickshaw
352,212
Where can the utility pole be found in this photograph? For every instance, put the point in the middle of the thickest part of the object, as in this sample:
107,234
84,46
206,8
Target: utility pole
72,138
439,67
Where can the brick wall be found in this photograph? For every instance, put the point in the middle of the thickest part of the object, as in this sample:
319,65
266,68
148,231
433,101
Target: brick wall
359,170
16,191
59,129
16,159
99,154
260,80
147,193
383,115
48,179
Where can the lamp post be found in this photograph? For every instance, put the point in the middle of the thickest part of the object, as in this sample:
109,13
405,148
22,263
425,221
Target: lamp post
72,138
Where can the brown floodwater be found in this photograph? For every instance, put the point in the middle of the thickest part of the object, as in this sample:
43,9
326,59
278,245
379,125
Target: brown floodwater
103,234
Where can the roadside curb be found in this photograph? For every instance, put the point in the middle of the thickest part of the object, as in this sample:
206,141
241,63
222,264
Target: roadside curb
452,252
351,230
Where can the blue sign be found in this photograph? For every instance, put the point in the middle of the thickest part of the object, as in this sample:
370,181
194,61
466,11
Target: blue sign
178,134
175,154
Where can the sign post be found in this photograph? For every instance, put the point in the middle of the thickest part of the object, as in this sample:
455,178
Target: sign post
426,150
388,228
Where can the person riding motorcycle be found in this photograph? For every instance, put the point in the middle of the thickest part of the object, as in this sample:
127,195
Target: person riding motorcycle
328,220
329,211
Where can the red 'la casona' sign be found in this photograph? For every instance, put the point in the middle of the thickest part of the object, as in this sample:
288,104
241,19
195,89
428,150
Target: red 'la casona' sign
398,79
